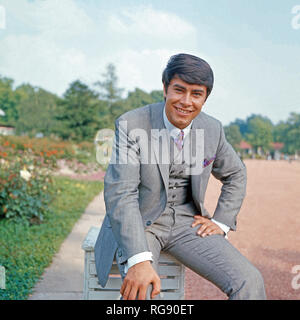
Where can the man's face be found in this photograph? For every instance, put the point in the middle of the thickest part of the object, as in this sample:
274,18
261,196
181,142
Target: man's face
184,101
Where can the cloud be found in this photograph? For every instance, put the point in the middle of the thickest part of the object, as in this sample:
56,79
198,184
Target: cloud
146,39
59,43
146,21
53,18
144,28
41,53
44,63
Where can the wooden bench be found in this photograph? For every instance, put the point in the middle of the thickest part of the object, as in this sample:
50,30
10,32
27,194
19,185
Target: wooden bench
171,273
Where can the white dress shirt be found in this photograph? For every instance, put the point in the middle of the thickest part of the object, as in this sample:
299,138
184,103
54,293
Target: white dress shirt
147,255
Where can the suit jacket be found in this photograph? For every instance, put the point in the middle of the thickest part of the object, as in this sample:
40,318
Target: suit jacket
135,194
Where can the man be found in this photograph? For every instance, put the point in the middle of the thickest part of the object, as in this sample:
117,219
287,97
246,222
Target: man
155,206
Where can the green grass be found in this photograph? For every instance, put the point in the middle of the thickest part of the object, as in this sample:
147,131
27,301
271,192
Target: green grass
25,251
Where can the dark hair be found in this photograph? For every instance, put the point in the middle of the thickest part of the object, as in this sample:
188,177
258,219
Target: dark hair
190,69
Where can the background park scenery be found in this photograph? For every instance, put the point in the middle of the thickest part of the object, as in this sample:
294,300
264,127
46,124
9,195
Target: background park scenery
69,68
48,159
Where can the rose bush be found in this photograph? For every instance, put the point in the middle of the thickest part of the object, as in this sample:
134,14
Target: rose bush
25,188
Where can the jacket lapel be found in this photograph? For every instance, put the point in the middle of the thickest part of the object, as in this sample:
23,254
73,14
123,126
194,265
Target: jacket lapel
159,131
198,123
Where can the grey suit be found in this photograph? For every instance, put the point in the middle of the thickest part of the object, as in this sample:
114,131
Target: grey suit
136,194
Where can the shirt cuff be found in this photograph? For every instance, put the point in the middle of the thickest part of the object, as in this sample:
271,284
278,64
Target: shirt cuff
223,226
139,257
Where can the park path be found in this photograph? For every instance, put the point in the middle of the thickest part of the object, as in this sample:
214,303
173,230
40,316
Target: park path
63,279
267,234
268,229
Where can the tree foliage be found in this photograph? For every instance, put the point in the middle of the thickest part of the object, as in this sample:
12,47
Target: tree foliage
233,135
8,101
259,132
36,110
82,111
78,113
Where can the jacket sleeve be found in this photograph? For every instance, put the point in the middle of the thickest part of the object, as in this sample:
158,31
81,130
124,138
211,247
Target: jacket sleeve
231,171
121,194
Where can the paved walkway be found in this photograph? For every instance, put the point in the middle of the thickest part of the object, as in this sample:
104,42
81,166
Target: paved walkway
63,279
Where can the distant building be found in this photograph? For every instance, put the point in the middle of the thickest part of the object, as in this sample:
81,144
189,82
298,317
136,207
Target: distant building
6,130
276,147
245,147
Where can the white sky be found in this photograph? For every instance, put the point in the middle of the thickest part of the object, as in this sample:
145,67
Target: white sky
253,47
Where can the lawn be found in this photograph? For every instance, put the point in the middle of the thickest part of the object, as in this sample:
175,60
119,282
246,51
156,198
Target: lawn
25,251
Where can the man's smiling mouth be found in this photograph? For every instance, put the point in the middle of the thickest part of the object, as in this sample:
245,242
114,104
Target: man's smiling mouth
183,111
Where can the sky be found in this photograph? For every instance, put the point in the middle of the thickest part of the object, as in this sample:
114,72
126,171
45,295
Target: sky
253,47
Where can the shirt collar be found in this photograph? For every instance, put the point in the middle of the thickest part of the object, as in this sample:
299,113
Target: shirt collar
174,131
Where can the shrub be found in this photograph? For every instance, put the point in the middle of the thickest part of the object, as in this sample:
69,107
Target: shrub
25,189
25,251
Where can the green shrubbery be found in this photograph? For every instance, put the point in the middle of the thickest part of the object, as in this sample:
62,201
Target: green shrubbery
26,250
25,188
37,209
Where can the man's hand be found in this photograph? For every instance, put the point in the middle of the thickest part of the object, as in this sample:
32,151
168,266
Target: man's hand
207,226
138,279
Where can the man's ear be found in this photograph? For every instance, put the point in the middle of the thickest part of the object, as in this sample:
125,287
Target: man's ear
165,91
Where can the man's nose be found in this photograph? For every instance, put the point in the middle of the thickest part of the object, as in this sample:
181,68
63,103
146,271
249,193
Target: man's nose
186,100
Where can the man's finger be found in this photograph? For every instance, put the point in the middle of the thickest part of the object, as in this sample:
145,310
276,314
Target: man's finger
199,220
126,291
142,293
196,223
123,286
208,231
156,288
202,228
133,293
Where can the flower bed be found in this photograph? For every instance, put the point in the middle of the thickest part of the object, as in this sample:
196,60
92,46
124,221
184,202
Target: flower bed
26,250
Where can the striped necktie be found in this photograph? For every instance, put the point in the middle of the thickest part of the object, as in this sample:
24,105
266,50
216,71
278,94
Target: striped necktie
179,140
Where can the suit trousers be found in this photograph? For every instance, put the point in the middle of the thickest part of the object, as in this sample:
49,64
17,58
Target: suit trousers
212,257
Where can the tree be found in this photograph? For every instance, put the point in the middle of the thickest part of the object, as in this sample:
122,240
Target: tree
243,126
259,132
36,109
8,101
289,133
136,99
109,90
78,113
293,133
233,135
157,96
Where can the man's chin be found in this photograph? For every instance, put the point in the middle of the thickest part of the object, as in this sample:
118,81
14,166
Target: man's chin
181,124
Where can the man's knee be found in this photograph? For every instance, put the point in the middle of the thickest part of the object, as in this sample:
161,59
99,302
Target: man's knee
250,286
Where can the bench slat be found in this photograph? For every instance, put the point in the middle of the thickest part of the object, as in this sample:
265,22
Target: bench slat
115,283
115,295
163,270
112,283
104,295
